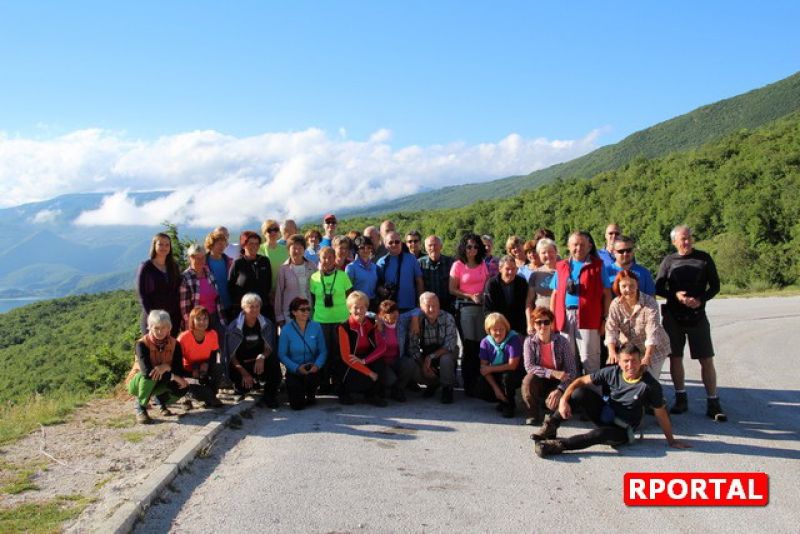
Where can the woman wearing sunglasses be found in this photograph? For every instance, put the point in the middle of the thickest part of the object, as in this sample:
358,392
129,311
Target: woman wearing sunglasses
549,364
301,349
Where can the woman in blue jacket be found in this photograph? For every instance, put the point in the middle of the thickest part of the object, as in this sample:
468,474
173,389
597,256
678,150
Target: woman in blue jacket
301,349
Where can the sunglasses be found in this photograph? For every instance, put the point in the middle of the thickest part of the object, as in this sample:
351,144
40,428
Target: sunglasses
395,242
543,322
273,230
304,309
330,222
624,250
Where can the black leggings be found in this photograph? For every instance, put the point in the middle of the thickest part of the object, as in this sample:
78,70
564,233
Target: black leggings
592,404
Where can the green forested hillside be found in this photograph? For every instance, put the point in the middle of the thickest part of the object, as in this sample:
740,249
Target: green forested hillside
741,194
749,110
73,345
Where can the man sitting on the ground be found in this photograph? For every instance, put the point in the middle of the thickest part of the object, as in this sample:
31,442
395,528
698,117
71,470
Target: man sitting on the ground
627,389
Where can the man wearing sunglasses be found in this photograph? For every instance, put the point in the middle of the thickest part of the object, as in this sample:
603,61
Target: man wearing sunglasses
328,230
624,248
399,275
607,253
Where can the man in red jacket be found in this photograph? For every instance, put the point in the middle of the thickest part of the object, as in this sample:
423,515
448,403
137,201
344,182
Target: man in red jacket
580,300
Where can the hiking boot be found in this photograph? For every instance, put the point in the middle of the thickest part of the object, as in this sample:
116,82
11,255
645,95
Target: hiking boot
548,429
548,447
380,402
268,401
213,402
397,394
430,391
447,395
508,410
714,411
143,419
163,410
681,403
311,400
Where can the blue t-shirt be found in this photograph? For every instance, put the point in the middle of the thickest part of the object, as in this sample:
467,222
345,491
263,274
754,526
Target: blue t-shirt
525,272
646,283
219,269
607,257
573,300
409,271
364,278
326,242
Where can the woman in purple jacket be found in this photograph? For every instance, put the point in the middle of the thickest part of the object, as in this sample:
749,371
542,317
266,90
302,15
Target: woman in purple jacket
158,281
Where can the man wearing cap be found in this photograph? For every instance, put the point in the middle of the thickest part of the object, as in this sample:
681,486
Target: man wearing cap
399,274
626,261
328,230
607,254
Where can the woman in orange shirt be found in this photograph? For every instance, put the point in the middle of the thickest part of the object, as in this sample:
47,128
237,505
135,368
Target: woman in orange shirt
200,350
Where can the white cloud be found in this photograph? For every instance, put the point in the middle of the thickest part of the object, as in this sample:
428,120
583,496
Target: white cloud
221,179
45,216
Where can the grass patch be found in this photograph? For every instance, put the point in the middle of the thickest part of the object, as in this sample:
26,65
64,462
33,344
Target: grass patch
123,421
758,289
42,517
19,420
101,483
134,436
16,478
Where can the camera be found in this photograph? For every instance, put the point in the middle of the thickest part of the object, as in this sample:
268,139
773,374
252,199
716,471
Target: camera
573,287
391,290
328,300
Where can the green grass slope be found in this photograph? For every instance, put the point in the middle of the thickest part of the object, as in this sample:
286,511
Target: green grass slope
685,132
71,346
741,194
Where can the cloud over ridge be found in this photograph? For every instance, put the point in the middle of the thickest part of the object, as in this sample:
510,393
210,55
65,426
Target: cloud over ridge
222,179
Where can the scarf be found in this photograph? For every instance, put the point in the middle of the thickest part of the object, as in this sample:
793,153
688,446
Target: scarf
499,349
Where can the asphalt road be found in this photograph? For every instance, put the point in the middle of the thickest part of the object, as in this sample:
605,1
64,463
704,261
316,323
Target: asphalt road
425,467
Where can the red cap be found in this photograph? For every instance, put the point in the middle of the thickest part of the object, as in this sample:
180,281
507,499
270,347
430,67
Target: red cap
330,217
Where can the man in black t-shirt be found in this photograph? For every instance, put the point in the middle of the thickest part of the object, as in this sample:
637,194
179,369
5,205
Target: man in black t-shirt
627,390
688,279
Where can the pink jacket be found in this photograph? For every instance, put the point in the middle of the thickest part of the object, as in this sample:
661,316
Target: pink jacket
289,288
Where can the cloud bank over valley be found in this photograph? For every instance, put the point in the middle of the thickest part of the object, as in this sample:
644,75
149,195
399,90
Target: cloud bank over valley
221,179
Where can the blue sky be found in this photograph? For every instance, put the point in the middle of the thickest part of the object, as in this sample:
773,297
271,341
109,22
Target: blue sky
419,73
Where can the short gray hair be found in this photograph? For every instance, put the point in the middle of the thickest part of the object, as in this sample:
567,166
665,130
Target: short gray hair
679,228
427,296
194,250
251,298
158,317
545,243
507,258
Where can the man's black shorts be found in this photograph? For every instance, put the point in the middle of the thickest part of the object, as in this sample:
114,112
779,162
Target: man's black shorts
699,335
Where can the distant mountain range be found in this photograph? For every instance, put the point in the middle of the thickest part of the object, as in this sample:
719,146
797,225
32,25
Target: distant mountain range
685,132
44,254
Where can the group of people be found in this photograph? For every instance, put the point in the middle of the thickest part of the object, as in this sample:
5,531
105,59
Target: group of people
377,314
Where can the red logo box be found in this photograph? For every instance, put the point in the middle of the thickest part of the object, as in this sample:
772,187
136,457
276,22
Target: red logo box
696,489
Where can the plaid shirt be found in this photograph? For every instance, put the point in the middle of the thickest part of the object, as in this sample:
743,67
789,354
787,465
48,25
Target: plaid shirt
436,278
442,334
189,292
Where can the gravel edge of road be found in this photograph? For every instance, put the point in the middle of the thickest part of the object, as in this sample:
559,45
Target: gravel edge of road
134,507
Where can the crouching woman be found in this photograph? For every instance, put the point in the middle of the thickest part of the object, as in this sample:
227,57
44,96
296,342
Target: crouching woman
157,368
362,350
